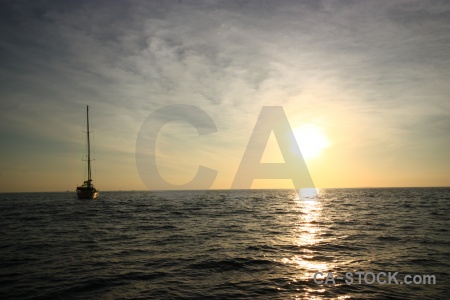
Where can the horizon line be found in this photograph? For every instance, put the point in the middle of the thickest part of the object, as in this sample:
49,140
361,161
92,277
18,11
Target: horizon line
181,190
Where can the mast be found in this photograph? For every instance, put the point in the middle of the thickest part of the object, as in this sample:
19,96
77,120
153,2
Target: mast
88,146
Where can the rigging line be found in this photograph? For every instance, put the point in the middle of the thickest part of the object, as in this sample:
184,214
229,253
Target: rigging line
93,150
93,154
82,146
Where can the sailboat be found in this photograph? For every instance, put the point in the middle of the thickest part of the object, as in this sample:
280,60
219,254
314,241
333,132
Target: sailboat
87,190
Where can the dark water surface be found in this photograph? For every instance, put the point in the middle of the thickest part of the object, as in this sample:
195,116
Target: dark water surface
255,244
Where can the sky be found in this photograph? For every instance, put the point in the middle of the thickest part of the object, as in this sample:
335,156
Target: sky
364,86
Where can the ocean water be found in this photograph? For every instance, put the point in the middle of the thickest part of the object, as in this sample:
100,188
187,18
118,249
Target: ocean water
252,244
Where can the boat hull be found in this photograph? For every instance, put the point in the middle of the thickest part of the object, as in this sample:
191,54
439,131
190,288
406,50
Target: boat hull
87,194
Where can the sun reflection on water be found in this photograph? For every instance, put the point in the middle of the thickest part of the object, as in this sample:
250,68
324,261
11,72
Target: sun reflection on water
306,236
307,194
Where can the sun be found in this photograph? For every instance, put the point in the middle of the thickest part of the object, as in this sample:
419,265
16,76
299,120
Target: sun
311,140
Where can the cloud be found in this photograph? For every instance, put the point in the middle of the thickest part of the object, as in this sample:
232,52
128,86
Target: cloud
346,65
